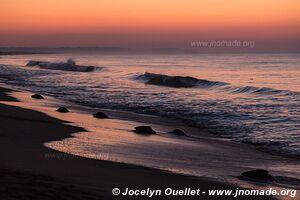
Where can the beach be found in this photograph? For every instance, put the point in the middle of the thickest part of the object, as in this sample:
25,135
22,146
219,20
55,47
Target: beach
47,173
149,100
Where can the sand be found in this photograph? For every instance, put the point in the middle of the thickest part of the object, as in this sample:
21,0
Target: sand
29,170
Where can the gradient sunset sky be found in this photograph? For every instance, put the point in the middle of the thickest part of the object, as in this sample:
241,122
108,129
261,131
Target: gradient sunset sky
148,23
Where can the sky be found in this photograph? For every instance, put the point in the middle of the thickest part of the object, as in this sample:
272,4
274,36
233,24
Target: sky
146,24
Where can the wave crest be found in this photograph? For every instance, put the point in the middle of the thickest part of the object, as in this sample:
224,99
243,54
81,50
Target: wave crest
191,82
177,81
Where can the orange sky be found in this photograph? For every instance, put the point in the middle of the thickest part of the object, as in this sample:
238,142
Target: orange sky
103,22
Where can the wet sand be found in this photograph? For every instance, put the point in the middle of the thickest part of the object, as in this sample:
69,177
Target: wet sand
29,170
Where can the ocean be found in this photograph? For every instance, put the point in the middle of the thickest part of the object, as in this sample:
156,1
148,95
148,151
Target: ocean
248,98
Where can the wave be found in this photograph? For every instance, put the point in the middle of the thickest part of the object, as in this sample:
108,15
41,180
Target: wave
70,65
177,81
191,82
228,119
278,147
258,90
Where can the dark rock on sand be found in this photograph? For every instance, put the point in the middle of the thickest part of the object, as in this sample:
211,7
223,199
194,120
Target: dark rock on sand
100,115
144,130
178,132
62,110
37,96
259,175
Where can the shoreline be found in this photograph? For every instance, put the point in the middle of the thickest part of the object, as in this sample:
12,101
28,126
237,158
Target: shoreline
235,121
95,176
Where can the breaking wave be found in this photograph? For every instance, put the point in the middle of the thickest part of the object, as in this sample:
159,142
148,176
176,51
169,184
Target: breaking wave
192,82
177,81
70,65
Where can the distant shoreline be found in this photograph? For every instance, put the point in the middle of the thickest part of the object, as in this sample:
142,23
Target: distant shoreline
126,50
5,53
